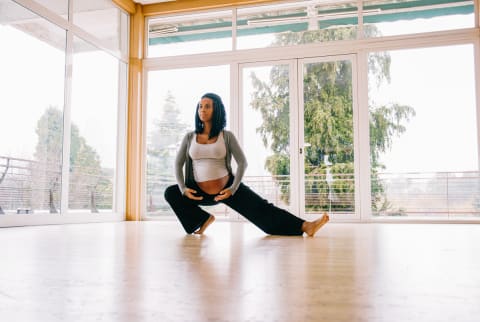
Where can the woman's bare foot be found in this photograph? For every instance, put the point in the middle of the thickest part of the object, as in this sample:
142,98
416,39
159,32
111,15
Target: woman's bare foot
311,227
205,225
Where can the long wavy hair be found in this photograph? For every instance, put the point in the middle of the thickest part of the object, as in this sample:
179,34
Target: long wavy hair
219,117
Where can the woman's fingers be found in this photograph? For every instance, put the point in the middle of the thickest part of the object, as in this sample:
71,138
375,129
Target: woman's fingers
224,194
190,194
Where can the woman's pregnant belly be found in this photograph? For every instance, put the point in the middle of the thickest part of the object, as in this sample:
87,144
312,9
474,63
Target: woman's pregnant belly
213,187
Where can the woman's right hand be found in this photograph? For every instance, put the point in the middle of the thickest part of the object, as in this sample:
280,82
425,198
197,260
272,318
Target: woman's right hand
190,194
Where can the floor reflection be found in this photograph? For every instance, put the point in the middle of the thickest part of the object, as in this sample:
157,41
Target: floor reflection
152,271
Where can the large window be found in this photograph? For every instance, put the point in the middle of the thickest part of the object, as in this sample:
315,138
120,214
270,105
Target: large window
428,166
61,109
296,23
328,132
31,113
59,6
303,22
391,17
365,109
94,111
265,118
190,34
103,20
171,105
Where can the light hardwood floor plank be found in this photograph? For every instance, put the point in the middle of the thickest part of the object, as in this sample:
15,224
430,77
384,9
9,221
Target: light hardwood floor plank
152,271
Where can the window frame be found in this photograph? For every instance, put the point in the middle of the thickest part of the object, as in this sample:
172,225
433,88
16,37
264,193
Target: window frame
359,47
119,181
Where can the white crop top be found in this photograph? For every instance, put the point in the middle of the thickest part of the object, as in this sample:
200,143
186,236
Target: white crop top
208,160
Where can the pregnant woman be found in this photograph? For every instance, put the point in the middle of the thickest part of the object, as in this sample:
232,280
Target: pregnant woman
204,177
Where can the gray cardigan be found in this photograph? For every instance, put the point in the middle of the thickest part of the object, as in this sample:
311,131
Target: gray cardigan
183,158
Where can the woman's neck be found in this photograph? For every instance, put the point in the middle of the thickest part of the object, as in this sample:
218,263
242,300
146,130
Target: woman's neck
207,128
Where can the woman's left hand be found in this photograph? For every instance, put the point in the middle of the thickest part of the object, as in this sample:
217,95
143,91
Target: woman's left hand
224,194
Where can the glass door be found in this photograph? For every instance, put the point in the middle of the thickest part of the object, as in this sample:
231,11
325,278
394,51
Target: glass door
327,119
297,121
265,113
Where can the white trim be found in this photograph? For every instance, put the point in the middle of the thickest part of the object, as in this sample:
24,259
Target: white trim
143,132
67,109
356,137
235,118
234,29
58,219
476,63
299,158
146,45
360,30
119,193
125,38
295,158
431,39
363,137
476,10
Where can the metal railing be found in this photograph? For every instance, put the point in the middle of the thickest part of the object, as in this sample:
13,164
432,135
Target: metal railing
427,194
28,186
439,194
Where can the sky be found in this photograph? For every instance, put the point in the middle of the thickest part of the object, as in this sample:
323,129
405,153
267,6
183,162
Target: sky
30,83
442,134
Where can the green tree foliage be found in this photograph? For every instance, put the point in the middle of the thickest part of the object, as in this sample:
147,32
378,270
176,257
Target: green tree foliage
162,143
50,131
47,168
86,173
328,122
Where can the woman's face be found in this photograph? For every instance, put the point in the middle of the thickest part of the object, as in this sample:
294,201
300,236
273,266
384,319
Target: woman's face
205,110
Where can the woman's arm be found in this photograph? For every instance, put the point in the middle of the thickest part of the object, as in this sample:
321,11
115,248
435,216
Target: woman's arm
242,164
179,163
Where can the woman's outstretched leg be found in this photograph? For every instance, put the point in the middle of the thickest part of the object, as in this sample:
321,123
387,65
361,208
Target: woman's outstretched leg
311,227
270,218
266,216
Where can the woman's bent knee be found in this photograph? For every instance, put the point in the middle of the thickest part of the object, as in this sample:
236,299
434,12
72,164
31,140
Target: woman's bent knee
171,191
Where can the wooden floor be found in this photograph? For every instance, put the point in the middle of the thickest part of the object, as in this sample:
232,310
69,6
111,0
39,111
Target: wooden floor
152,271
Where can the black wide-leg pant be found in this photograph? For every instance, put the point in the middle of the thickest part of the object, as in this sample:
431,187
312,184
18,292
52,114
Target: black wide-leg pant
266,216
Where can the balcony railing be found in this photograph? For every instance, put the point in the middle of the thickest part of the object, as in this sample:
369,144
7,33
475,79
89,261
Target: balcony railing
436,194
28,186
439,195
